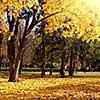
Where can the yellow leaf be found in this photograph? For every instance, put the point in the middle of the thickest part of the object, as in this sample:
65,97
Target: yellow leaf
9,37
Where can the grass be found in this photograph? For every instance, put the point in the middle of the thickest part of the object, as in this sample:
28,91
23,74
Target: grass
50,88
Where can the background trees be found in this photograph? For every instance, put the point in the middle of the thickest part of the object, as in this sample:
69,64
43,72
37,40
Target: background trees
61,33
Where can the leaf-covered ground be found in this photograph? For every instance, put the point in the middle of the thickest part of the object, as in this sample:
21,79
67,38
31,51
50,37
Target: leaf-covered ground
77,88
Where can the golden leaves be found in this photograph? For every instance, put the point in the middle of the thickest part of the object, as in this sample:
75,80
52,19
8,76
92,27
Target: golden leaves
9,37
79,14
51,88
78,11
4,29
56,20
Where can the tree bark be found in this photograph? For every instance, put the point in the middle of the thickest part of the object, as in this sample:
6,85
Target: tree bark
11,56
62,67
1,37
51,59
71,68
0,58
51,65
43,55
43,70
14,67
14,72
14,62
20,66
21,62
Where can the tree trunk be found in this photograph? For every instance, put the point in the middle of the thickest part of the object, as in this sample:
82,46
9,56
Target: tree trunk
62,67
11,57
51,65
43,70
0,57
13,62
20,66
1,37
71,69
43,55
21,62
51,69
13,77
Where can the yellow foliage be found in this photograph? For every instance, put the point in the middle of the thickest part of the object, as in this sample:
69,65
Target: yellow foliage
81,13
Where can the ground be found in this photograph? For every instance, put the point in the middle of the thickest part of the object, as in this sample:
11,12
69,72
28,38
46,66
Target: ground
50,88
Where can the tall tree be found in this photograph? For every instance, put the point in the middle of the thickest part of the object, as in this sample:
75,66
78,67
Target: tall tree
17,14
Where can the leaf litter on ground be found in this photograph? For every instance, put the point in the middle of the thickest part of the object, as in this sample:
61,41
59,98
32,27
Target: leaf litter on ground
77,88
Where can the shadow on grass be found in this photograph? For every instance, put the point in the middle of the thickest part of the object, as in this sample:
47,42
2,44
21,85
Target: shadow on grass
31,75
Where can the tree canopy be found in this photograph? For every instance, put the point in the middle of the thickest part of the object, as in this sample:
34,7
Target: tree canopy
84,16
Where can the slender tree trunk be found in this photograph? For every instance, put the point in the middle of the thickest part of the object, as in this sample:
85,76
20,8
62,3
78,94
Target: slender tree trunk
71,69
74,65
62,67
0,57
43,70
43,55
20,66
1,37
21,63
51,65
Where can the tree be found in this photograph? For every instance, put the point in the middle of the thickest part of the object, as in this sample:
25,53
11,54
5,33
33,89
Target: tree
27,13
1,37
19,13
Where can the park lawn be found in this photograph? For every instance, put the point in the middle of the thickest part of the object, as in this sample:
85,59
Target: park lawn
50,88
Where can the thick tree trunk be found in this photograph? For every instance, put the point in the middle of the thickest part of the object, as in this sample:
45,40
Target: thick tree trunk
13,62
71,68
11,57
13,77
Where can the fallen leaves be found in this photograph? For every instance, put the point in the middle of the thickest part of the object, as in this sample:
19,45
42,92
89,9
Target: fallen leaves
83,88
